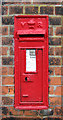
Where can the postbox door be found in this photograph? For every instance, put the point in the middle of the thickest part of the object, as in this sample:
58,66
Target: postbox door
31,77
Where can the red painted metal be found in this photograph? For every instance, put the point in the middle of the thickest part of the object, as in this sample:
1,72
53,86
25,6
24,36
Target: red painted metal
31,32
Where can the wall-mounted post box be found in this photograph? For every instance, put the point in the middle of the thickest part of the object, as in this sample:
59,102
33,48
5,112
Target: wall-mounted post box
31,62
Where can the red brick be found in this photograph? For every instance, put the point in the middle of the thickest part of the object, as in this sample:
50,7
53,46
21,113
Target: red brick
54,41
51,90
62,60
55,20
31,10
55,80
31,113
4,90
5,111
7,41
62,90
62,51
58,111
0,50
5,30
8,100
51,70
15,10
59,31
55,100
57,70
58,51
8,20
61,70
4,50
0,70
20,112
51,31
51,50
4,10
46,10
11,30
0,81
7,61
58,90
11,71
0,30
7,80
11,51
59,10
11,90
54,61
13,111
4,71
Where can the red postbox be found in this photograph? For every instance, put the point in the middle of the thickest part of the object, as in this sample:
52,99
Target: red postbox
31,62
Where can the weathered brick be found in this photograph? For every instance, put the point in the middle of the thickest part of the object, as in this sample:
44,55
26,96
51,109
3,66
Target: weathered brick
58,51
11,51
15,10
31,10
4,50
7,41
54,61
11,30
46,10
13,111
20,112
55,20
8,20
47,2
11,70
50,31
51,70
55,100
54,41
4,71
4,10
51,50
7,80
7,61
4,90
57,70
57,90
59,31
5,30
5,111
59,10
8,100
55,80
31,113
11,90
58,111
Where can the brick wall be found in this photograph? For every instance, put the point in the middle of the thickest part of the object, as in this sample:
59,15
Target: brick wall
54,11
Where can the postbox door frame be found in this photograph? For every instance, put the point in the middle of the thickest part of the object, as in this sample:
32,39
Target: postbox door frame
17,104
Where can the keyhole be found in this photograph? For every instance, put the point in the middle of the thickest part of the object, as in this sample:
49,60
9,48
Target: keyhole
25,78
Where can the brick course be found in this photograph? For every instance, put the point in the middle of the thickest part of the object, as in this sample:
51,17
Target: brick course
9,10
